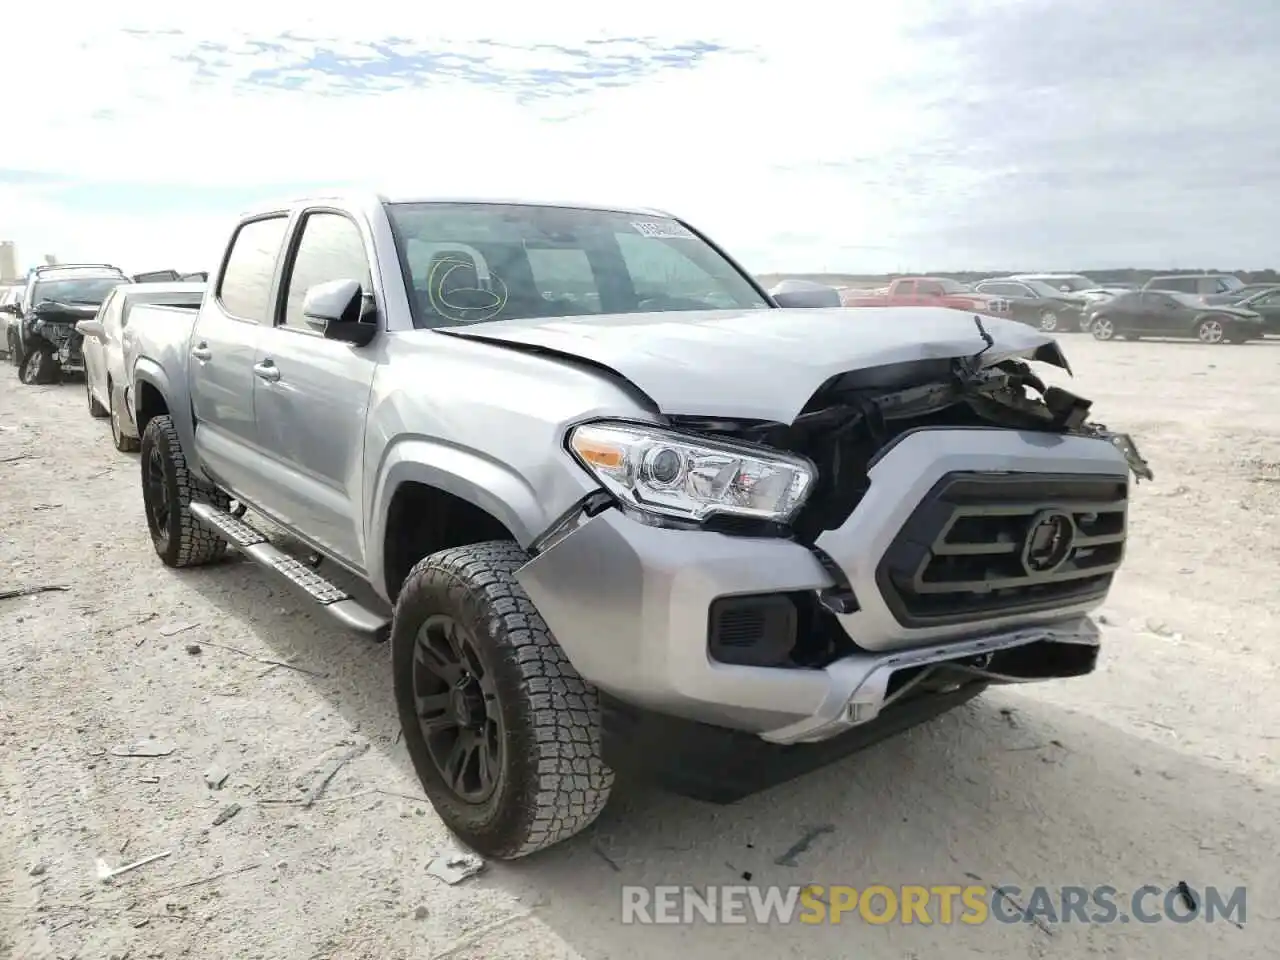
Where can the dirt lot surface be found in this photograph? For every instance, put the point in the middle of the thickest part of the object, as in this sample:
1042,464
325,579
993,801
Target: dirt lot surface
1161,767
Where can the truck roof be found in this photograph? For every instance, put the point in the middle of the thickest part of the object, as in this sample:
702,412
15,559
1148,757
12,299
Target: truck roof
369,200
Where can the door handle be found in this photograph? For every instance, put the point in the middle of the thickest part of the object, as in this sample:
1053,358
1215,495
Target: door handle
201,351
267,370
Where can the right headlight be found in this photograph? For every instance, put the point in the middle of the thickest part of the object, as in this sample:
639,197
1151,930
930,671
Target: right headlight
669,474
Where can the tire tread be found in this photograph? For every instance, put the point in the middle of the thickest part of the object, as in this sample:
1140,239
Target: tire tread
573,782
196,545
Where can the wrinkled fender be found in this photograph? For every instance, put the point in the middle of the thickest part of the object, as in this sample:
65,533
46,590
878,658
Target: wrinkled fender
481,481
176,397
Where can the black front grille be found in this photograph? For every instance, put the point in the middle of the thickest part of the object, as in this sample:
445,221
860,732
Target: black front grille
986,545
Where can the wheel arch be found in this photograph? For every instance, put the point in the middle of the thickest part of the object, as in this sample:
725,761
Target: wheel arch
429,497
154,394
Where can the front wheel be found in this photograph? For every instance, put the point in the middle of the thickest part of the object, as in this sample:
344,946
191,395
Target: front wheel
96,409
1048,320
39,366
167,492
503,733
1103,329
1211,331
123,442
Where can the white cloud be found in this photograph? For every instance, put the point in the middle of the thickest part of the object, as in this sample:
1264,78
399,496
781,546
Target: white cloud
875,143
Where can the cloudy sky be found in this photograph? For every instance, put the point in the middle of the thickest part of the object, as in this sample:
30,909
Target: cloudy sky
941,134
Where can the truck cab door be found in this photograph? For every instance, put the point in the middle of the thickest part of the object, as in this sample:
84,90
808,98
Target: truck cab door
311,394
222,348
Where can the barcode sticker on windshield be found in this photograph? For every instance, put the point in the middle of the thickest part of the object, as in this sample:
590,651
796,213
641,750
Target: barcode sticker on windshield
662,229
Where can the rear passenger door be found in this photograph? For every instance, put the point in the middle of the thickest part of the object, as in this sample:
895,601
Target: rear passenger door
222,349
311,395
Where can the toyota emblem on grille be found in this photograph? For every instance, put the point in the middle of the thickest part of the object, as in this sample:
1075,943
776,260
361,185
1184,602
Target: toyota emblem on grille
1050,537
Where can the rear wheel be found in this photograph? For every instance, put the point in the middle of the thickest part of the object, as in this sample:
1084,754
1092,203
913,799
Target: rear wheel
168,489
1211,331
502,731
1103,329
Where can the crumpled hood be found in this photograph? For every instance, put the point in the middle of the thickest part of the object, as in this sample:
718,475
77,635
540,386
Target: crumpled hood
760,364
53,312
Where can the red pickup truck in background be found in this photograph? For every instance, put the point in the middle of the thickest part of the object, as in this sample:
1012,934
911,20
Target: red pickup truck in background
927,292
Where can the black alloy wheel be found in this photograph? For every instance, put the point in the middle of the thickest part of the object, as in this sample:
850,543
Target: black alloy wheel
457,706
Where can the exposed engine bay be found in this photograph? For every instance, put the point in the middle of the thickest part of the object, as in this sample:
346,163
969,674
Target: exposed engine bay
853,418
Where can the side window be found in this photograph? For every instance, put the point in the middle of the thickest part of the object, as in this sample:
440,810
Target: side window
660,270
1270,300
564,273
928,288
330,248
902,288
244,289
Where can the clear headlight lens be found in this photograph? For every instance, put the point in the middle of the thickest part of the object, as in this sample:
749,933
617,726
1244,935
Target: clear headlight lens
674,475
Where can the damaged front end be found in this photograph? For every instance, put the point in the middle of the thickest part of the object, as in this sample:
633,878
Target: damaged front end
52,327
855,418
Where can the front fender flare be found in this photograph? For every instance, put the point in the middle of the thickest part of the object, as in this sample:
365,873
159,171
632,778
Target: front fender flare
481,481
146,370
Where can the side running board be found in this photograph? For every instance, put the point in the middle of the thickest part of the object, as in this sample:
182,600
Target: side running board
332,599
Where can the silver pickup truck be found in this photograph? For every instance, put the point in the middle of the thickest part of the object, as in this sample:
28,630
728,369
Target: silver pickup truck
622,509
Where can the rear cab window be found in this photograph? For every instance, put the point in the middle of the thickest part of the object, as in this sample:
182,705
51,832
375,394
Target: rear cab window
476,262
244,288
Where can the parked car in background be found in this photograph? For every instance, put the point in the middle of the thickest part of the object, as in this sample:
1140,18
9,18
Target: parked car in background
1212,287
644,535
44,342
1252,289
1078,285
103,349
928,292
1036,303
1158,313
9,296
1265,303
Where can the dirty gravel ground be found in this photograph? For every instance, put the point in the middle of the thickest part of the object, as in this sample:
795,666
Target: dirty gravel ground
1160,767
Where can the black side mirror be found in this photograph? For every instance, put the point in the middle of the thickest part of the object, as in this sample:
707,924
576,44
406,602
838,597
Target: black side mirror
338,308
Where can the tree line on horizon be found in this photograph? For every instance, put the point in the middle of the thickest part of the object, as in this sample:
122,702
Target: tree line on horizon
1103,277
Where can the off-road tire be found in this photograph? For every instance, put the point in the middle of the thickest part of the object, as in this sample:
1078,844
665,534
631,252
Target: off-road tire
96,410
39,367
552,782
182,542
122,441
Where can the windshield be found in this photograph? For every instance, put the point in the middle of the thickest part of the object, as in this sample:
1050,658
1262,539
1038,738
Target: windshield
87,290
1045,289
473,262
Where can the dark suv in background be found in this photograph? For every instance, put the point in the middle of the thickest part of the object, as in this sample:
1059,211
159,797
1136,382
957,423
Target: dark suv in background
42,338
1037,303
1210,287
